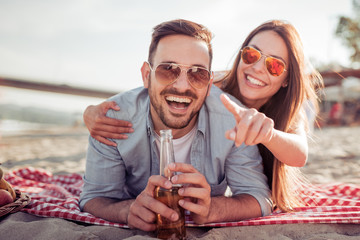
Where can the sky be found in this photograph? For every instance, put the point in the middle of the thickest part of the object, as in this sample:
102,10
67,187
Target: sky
102,44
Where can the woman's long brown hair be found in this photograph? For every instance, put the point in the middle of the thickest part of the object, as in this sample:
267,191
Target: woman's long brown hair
285,108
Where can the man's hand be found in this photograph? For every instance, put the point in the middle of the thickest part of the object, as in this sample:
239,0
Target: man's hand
102,127
196,191
143,210
252,127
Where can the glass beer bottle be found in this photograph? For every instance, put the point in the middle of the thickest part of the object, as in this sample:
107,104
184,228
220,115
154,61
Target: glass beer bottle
167,229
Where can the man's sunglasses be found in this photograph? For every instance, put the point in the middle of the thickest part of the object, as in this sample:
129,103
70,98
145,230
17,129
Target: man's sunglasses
168,73
275,66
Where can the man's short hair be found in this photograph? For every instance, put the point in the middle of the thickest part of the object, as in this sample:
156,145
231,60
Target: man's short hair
183,27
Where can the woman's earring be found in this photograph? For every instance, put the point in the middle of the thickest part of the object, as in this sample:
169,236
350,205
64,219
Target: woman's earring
285,84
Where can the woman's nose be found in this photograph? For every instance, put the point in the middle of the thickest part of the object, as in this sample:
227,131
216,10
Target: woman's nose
259,66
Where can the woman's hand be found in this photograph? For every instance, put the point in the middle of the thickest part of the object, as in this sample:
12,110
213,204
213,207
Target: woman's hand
102,127
252,127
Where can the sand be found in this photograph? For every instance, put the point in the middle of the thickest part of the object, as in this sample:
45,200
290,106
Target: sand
334,156
61,150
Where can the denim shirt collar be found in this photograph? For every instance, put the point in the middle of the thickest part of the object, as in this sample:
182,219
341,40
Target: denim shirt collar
149,123
202,119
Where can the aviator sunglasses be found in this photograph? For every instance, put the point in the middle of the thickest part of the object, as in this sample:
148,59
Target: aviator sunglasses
274,65
168,73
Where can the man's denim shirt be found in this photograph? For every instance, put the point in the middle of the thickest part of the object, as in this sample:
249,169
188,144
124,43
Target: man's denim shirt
122,172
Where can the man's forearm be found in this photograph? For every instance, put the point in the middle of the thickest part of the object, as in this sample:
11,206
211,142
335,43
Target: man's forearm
109,209
235,208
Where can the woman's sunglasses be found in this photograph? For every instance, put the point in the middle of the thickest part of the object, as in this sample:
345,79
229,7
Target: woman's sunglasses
275,66
168,73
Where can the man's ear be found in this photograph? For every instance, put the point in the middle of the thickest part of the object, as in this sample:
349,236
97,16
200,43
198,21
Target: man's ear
210,83
145,73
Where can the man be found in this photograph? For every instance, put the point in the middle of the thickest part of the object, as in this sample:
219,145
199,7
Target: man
119,181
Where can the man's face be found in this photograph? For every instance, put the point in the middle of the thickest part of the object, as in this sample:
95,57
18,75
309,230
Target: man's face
176,105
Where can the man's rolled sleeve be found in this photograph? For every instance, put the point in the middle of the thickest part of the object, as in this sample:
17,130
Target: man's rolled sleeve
103,176
245,176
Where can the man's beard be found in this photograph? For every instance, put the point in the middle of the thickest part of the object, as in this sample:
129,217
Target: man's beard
175,121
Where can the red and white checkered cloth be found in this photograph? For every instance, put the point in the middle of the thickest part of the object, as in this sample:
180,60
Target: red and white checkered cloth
58,196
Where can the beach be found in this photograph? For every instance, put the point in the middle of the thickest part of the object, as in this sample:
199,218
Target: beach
334,152
334,156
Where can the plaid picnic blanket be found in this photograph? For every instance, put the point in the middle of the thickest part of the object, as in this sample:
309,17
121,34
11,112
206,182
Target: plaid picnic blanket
58,196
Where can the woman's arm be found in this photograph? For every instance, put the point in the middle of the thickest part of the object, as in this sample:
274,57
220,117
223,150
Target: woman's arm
102,127
290,148
253,127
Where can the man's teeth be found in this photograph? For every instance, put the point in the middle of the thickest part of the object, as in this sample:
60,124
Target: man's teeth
255,81
178,99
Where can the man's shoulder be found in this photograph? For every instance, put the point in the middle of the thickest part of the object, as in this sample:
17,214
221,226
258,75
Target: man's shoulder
131,103
214,104
130,95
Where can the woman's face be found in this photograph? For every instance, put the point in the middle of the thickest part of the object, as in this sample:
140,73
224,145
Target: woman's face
256,84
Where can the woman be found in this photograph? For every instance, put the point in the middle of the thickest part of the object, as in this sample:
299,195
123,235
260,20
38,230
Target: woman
269,77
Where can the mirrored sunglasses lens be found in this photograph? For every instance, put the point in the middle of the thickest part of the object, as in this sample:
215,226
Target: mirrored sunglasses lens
198,77
166,73
274,66
250,55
